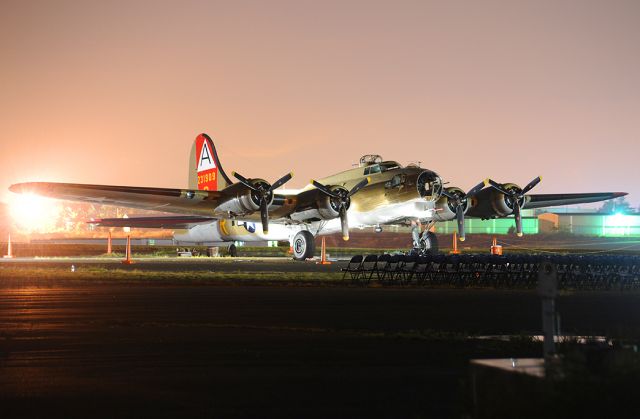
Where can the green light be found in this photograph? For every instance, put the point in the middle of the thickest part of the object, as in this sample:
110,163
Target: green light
617,220
616,224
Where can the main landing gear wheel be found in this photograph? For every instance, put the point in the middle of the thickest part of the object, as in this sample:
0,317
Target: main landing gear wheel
429,243
303,245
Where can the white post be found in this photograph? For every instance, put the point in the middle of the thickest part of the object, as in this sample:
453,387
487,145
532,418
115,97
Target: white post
548,290
9,254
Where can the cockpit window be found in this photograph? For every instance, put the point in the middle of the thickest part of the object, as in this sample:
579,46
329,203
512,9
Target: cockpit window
373,169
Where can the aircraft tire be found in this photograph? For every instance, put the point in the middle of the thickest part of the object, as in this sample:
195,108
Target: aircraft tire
303,245
431,243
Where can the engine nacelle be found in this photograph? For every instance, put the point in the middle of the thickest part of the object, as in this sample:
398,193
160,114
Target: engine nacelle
314,205
246,201
445,210
328,207
491,203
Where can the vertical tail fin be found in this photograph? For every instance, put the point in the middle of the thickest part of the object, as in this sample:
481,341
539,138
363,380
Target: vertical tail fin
205,170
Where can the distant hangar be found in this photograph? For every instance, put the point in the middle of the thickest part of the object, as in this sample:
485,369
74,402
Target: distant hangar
583,223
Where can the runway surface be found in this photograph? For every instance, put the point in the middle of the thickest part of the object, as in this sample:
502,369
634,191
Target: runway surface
82,349
152,264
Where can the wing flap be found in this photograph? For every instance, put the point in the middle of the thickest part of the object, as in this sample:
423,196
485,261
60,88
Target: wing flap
550,200
171,222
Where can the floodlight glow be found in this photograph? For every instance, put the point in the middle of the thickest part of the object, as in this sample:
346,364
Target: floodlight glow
617,220
616,224
32,213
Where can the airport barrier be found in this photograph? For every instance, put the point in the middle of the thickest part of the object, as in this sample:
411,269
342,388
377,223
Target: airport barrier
576,271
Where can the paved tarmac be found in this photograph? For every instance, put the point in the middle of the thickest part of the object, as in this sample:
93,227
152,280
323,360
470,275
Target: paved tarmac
248,264
83,349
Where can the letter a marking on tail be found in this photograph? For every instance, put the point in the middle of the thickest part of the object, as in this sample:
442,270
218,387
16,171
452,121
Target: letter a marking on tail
207,171
206,161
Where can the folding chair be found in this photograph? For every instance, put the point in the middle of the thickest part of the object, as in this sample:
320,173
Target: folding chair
381,266
389,270
369,267
438,268
354,268
407,269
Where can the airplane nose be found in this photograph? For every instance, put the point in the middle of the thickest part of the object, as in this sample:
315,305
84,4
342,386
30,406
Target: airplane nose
429,185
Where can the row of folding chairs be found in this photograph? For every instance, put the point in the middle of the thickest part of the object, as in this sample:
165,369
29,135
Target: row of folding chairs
574,271
597,271
385,268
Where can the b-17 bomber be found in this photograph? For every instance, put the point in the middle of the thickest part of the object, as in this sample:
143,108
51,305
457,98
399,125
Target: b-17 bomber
220,208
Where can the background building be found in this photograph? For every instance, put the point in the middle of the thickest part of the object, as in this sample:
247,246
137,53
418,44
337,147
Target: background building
580,223
594,224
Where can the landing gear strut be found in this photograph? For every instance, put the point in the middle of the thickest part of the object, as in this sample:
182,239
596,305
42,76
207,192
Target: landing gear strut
303,245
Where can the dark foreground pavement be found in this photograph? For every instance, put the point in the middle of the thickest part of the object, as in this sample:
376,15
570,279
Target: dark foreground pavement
80,349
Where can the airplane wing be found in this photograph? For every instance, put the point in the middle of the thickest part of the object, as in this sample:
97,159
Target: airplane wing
171,222
182,201
551,200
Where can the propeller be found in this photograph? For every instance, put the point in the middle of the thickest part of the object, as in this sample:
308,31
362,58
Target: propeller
341,198
262,193
459,201
515,196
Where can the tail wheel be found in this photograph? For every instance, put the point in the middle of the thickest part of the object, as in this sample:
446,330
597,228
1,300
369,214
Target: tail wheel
430,242
233,251
303,245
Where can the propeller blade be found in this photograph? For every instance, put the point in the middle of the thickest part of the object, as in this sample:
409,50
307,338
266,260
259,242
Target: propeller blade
476,188
460,219
284,179
531,185
324,189
359,185
264,215
344,223
518,217
498,187
244,181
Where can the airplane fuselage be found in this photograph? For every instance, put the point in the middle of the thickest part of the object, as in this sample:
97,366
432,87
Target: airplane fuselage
391,196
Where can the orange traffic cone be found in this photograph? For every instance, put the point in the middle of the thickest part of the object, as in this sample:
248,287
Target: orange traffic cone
496,249
9,255
127,260
455,250
323,255
109,244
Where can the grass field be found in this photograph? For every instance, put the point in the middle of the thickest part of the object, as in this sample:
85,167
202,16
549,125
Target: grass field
93,273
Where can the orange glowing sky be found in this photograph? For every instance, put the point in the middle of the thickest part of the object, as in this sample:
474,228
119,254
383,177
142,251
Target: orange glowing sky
114,92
